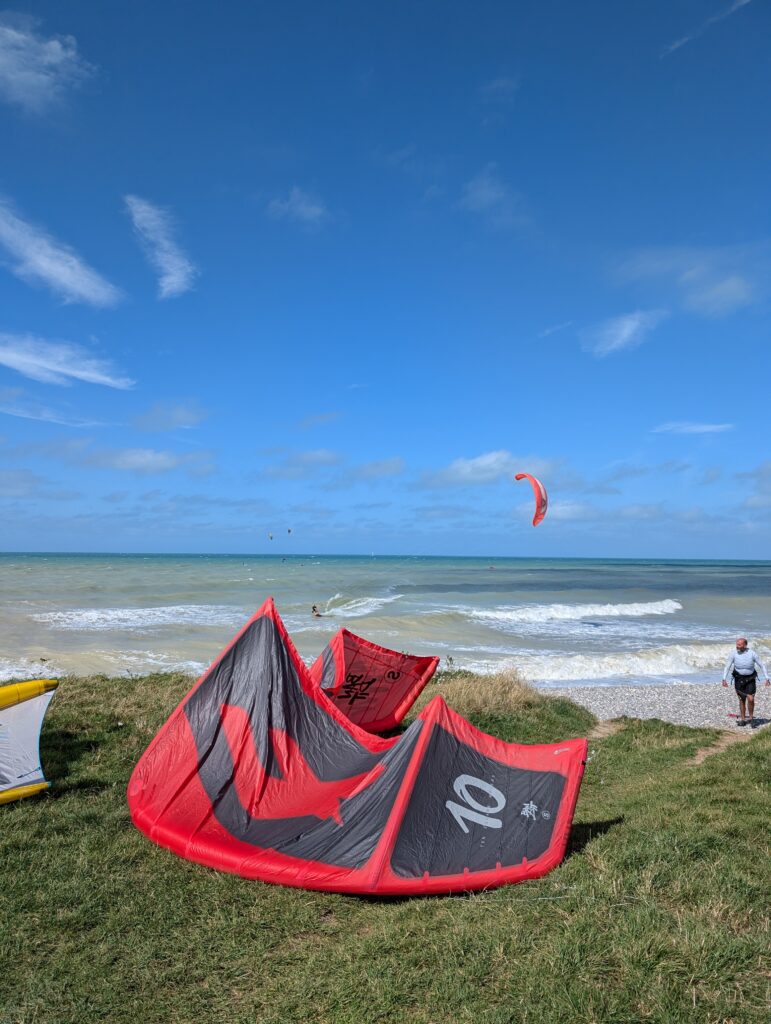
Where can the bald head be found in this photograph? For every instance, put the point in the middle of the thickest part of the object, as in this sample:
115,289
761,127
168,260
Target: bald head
741,643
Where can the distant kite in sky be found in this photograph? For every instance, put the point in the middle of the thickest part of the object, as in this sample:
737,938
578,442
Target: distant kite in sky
541,498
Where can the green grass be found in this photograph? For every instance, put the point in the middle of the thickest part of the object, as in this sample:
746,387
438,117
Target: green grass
659,912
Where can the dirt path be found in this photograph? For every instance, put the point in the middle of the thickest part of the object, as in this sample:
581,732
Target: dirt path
604,729
609,727
726,740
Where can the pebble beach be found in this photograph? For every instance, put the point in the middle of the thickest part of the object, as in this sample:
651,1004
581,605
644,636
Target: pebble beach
698,704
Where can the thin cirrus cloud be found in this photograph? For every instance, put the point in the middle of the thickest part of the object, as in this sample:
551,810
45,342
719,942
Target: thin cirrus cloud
321,419
685,427
146,461
300,207
555,328
761,477
368,473
141,461
38,258
154,227
36,71
21,483
57,362
713,20
621,332
163,416
497,96
499,90
711,281
14,402
487,468
302,465
487,196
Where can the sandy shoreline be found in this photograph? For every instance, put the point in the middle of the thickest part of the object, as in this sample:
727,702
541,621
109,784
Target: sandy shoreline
682,704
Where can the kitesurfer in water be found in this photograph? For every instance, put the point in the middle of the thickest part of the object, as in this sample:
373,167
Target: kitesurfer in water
744,666
316,613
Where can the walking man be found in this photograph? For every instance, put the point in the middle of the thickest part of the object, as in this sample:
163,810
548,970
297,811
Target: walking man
744,665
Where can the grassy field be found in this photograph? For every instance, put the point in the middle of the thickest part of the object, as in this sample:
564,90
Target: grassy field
658,913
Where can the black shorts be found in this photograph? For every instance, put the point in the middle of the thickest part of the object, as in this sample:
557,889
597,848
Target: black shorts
745,685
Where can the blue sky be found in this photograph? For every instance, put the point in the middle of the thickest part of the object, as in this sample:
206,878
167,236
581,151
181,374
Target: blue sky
344,269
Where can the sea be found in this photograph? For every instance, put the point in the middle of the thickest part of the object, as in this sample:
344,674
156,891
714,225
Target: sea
559,622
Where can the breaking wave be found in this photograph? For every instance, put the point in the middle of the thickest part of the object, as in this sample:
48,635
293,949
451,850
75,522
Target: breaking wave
570,612
144,618
659,663
23,668
361,606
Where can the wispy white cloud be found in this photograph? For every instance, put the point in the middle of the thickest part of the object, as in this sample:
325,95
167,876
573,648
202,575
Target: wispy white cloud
39,258
625,471
643,511
155,229
35,70
554,328
142,461
497,97
499,90
713,20
568,511
57,362
301,207
368,472
761,477
302,465
621,332
14,402
20,483
684,427
321,419
412,159
486,469
489,197
379,468
709,280
164,416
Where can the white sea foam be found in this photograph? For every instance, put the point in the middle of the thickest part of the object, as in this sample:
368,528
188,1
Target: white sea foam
537,613
660,662
25,668
361,606
142,662
139,619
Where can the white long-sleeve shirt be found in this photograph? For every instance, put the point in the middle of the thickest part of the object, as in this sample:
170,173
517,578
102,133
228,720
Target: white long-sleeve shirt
745,664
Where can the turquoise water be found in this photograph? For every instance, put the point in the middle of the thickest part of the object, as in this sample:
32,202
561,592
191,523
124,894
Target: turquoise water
559,621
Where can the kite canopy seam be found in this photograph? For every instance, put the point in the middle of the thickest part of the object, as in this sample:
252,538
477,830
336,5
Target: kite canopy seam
258,772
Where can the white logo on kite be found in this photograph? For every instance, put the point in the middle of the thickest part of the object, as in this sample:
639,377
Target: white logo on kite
529,810
562,750
480,813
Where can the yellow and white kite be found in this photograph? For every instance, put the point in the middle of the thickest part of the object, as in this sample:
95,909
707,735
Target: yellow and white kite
22,709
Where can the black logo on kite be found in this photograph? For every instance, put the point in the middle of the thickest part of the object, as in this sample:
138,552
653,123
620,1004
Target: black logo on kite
354,688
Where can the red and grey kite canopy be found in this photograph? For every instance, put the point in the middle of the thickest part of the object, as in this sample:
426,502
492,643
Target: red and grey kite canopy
260,773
